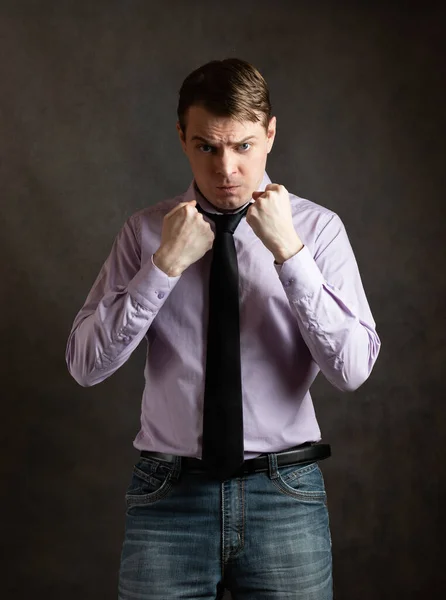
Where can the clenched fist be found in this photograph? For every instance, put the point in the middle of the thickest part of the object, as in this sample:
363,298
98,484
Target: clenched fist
185,238
271,220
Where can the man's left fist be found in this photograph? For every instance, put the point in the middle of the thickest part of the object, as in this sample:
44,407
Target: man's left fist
271,220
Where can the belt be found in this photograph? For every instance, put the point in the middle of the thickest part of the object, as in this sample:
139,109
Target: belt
305,453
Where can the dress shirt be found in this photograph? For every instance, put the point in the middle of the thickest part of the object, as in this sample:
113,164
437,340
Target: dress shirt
308,315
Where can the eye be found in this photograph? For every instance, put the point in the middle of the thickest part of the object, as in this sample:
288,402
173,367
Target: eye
245,146
205,148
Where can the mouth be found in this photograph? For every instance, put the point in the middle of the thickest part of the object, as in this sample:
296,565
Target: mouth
228,189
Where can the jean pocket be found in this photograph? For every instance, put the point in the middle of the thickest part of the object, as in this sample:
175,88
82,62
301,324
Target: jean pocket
151,481
303,482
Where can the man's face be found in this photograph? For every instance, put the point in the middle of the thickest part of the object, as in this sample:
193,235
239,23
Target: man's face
227,157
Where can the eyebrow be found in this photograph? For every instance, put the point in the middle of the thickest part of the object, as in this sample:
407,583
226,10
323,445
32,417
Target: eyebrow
209,143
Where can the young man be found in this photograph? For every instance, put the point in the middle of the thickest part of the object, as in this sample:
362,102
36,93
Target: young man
243,292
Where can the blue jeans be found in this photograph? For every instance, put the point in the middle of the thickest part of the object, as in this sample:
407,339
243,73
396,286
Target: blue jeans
263,536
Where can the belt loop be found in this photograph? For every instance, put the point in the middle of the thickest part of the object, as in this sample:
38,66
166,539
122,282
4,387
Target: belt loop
176,468
273,473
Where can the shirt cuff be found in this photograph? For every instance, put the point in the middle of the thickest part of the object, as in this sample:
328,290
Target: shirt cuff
151,287
300,275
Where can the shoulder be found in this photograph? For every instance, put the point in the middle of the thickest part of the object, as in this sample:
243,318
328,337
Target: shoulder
313,218
158,210
308,208
150,218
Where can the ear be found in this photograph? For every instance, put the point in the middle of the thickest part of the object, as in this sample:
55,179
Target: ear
181,135
271,133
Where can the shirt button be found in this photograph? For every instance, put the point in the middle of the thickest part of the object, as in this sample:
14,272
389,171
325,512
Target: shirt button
161,295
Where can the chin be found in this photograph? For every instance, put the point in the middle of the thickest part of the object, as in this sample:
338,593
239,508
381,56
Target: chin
229,201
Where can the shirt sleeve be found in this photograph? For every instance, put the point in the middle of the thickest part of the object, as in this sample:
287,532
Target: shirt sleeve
326,294
118,311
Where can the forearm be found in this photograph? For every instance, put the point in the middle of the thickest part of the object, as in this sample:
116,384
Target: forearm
344,346
336,325
103,340
113,322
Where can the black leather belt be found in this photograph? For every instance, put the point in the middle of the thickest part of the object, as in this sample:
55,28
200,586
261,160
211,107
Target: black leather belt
305,453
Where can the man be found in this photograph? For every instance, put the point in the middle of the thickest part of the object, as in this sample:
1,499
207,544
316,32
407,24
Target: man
243,292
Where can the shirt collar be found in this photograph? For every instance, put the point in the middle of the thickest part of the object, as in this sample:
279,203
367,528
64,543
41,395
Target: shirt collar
193,193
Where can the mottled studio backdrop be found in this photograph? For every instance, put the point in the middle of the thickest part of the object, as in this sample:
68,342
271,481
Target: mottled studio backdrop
88,94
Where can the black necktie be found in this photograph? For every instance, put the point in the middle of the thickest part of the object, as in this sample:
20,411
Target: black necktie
223,409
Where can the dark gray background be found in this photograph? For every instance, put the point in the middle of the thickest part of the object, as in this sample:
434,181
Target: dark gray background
88,99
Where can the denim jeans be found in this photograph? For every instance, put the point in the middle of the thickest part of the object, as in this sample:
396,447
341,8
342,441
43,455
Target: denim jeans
263,536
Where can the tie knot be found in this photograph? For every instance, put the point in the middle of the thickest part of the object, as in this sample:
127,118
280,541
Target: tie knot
227,223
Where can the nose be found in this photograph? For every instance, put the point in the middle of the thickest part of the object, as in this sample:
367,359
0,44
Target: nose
225,164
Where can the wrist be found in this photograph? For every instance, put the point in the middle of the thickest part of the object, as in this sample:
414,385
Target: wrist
285,254
163,261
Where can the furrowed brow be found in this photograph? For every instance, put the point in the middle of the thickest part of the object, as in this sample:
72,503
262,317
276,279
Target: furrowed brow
201,139
210,143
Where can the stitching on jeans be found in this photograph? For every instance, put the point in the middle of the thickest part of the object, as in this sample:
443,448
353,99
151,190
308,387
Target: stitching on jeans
308,496
233,553
148,499
298,472
223,525
134,500
242,496
283,487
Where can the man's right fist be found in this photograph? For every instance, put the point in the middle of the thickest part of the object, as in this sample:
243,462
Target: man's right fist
185,238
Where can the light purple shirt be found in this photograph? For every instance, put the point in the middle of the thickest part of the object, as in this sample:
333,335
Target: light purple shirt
307,315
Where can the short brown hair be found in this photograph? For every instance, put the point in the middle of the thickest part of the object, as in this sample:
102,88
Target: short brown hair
227,88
